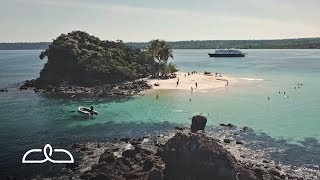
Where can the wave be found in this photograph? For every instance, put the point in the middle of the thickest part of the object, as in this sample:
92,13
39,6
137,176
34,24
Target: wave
252,79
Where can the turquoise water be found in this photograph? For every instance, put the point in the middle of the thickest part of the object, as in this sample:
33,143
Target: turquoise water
29,120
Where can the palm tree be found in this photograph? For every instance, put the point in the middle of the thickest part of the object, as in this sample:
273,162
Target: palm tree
160,51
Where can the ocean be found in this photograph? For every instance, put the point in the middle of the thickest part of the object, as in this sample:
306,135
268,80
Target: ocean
287,121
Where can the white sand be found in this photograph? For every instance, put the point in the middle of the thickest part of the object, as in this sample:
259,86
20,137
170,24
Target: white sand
205,82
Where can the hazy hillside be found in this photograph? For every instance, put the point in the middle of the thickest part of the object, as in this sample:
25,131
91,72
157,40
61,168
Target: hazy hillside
303,43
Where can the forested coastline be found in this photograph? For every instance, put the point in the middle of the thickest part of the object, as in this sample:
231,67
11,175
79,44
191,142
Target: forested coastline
302,43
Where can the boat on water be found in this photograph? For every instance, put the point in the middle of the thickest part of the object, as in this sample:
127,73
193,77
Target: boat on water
227,53
87,111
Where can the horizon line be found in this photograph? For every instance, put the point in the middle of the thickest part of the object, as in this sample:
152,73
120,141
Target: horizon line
182,40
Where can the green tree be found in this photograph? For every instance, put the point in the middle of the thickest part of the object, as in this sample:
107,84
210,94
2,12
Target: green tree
79,58
160,52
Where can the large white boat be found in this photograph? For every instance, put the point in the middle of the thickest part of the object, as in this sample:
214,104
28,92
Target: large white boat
227,53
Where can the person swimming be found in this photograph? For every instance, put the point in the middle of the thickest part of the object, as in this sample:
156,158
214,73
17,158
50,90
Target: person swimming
91,110
157,96
268,98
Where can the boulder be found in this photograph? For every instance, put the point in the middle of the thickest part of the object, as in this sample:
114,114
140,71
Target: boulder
196,156
198,123
179,128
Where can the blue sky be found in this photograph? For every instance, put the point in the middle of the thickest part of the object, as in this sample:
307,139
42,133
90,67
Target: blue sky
143,20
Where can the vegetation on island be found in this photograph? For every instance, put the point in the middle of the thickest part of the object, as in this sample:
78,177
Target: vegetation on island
160,52
81,59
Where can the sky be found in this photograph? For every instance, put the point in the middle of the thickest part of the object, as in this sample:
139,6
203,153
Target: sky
172,20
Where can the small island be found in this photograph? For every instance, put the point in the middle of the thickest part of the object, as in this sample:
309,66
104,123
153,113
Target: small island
79,63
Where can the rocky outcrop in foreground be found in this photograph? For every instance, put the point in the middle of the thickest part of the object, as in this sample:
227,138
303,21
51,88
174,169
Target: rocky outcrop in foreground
186,155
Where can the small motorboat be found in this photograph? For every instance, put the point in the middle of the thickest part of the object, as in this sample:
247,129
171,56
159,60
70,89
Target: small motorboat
87,111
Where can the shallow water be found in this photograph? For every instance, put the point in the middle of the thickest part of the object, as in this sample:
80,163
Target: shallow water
31,120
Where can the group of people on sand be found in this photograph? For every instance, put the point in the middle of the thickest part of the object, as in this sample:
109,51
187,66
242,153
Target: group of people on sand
299,86
191,73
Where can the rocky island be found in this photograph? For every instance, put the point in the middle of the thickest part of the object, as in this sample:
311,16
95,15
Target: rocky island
78,63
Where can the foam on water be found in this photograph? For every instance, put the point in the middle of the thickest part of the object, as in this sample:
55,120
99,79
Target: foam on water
252,79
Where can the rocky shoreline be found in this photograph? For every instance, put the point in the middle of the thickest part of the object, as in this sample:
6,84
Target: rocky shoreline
185,155
106,90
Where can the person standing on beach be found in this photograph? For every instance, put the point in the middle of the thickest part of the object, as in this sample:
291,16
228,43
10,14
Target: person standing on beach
191,89
157,96
177,83
196,85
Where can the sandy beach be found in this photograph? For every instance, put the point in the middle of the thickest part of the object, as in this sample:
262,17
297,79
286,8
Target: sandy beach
204,82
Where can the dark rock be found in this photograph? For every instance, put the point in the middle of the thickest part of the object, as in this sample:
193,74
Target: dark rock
239,142
129,153
125,140
107,157
227,125
23,88
265,161
274,172
259,173
179,128
147,165
84,149
3,90
244,129
226,140
283,176
159,152
134,142
198,123
200,157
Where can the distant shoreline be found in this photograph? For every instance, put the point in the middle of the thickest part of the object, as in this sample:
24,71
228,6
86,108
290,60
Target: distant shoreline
300,43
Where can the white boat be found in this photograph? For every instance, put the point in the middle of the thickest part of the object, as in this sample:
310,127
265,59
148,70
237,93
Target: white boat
227,53
87,111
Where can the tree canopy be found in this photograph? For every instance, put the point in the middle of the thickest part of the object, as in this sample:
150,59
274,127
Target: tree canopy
80,58
160,51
